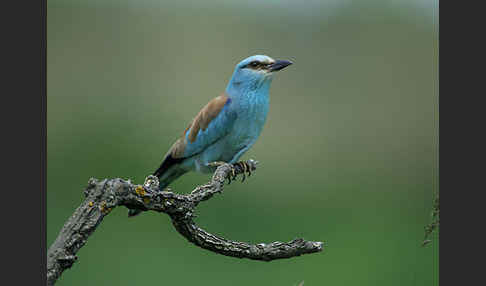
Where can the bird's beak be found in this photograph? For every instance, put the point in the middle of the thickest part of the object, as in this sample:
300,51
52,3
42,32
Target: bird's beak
279,64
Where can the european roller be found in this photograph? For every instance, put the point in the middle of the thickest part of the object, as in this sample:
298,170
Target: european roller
226,127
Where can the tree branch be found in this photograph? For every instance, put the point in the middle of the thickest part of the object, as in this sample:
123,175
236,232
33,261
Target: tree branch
103,196
434,224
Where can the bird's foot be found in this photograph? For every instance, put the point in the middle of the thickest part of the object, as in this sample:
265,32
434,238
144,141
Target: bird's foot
242,167
245,168
220,163
216,163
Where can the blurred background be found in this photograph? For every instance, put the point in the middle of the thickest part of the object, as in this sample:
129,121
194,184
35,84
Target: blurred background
348,155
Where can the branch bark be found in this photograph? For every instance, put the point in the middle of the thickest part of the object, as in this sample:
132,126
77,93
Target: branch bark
102,196
434,224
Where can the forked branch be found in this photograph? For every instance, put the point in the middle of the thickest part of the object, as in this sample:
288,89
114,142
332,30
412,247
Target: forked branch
102,196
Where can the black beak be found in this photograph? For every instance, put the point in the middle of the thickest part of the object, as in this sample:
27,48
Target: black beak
279,64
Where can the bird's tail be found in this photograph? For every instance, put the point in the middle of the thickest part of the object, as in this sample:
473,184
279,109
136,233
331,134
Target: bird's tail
168,172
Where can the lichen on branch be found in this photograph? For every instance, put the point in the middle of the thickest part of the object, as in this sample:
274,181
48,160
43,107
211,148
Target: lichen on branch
101,196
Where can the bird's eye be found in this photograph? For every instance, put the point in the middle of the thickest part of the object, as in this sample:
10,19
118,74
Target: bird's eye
254,64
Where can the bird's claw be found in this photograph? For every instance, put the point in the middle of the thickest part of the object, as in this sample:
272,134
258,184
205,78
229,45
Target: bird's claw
216,164
233,174
245,169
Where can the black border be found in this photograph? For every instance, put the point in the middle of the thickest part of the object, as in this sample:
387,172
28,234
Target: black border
24,134
43,184
462,128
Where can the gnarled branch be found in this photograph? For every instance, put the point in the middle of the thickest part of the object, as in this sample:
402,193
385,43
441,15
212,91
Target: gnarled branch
103,196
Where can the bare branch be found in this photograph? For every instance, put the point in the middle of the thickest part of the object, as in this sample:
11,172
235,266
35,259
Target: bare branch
434,224
103,196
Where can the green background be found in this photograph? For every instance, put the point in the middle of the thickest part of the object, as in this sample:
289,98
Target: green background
348,154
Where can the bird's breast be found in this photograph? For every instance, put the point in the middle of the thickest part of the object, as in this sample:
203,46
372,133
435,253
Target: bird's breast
251,117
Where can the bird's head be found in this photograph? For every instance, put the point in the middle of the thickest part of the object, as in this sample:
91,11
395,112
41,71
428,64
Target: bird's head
255,72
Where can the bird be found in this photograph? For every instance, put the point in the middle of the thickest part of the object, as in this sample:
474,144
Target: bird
227,126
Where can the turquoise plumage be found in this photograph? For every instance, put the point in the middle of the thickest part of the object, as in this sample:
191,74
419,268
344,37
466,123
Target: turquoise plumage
227,126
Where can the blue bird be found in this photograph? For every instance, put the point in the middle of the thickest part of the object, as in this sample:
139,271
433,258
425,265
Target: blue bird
227,126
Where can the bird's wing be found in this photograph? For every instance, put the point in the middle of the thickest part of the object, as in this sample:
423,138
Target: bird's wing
212,123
